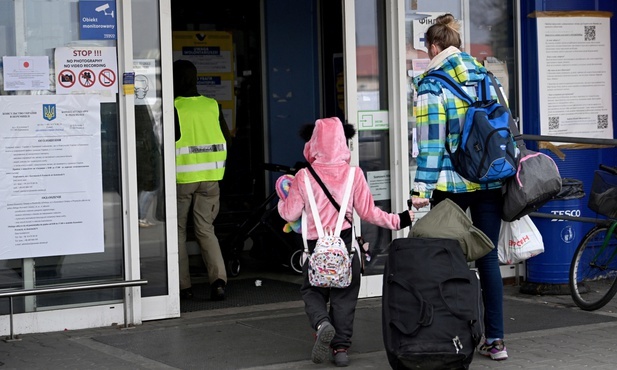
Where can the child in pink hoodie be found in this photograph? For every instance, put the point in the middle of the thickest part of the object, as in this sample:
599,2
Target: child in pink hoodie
328,154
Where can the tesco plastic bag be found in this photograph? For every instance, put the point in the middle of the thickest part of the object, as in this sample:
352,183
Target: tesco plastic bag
518,241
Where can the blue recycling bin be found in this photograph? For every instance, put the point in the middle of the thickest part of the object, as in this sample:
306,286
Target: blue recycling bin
561,237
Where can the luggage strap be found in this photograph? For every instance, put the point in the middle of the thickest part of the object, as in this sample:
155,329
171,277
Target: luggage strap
426,308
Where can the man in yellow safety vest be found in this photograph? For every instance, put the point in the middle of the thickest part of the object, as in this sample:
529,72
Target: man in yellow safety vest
201,152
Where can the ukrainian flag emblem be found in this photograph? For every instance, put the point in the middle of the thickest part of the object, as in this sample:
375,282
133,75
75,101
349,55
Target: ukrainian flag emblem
49,111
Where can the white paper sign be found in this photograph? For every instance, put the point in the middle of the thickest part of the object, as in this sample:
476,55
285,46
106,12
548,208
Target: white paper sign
51,197
574,57
26,73
379,183
89,70
145,81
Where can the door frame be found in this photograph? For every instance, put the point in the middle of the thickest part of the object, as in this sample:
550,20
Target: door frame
165,306
134,309
397,116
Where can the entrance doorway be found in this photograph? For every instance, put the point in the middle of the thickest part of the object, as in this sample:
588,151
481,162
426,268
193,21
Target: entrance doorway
256,100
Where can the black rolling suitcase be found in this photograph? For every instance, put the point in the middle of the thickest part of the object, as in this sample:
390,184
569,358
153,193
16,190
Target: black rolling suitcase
431,305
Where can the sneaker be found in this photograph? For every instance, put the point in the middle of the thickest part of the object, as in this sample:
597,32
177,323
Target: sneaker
496,350
145,223
321,348
340,357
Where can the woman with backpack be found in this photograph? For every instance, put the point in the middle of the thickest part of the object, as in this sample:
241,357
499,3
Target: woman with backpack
440,116
327,153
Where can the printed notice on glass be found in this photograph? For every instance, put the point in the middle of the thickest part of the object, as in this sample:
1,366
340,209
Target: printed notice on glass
51,197
26,73
574,57
379,183
212,54
210,51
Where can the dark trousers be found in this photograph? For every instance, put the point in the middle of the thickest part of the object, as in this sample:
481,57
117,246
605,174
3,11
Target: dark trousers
485,208
342,301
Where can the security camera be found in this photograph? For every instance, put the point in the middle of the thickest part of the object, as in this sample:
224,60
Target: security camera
102,8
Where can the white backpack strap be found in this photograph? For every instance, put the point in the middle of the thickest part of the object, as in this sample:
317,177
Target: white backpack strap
313,205
341,215
305,254
304,231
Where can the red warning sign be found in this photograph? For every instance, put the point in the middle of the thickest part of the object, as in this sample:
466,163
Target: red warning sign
107,77
87,78
66,78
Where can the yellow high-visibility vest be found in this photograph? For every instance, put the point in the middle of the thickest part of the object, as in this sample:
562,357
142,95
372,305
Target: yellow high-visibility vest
202,150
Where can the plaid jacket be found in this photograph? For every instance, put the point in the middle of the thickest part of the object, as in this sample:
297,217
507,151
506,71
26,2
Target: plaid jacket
436,108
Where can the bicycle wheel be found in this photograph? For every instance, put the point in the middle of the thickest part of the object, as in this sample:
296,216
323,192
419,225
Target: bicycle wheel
593,271
295,261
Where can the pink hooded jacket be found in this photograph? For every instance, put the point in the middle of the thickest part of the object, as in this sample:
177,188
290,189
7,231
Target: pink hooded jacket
328,154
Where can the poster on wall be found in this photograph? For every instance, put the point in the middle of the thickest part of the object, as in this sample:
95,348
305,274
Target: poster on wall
50,176
89,70
574,73
212,54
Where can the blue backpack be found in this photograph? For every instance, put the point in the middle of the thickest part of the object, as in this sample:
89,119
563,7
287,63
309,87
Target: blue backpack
487,150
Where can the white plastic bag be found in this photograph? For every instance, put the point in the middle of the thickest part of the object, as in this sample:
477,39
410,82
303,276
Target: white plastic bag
518,241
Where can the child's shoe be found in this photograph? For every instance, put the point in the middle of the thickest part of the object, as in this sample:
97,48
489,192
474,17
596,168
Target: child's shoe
340,357
324,336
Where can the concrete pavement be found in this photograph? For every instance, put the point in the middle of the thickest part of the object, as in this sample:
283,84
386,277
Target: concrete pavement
543,332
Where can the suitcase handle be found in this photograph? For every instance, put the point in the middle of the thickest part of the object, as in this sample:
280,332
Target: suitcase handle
426,308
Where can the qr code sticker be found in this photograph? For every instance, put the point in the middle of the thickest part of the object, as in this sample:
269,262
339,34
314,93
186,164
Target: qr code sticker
602,120
590,33
553,123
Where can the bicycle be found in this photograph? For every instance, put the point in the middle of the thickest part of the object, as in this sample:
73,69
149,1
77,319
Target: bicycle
593,271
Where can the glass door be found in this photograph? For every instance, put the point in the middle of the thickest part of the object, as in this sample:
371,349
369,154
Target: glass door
154,154
61,202
83,112
372,115
373,86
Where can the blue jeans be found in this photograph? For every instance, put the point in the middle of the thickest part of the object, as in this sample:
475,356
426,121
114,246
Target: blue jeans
145,201
485,207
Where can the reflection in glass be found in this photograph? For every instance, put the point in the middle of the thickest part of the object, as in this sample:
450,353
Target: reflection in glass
490,26
36,28
149,139
374,144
